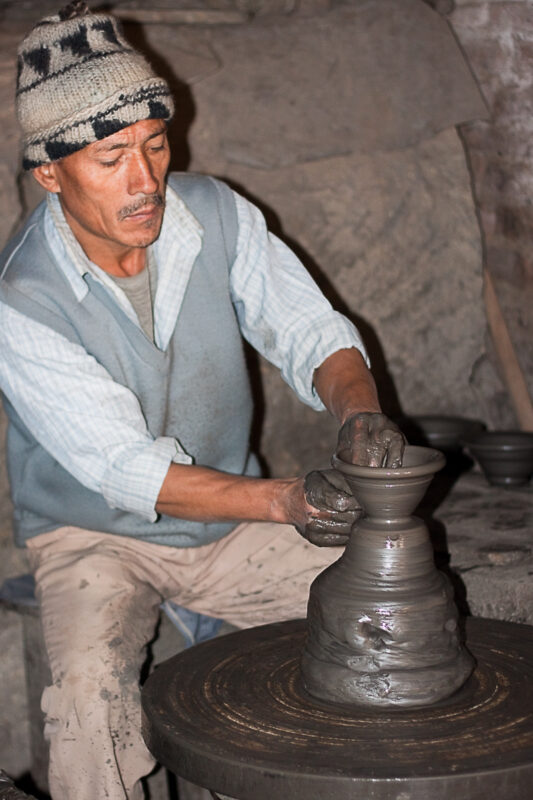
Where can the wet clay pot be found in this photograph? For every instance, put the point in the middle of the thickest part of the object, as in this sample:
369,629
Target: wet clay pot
382,623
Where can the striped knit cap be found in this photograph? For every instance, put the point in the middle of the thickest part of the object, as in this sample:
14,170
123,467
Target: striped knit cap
79,81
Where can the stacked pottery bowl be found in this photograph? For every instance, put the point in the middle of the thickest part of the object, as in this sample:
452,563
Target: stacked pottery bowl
506,457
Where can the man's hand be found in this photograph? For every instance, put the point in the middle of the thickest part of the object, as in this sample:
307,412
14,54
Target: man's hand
371,439
322,508
347,389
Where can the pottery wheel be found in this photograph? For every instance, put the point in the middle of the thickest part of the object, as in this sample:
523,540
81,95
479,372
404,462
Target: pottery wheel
232,715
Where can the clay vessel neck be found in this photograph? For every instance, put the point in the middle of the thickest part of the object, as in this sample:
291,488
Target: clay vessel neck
390,495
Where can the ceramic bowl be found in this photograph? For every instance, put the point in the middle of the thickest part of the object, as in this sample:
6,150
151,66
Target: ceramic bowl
443,432
506,457
392,492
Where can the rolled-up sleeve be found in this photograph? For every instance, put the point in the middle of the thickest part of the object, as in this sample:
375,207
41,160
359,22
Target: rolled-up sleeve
281,310
93,426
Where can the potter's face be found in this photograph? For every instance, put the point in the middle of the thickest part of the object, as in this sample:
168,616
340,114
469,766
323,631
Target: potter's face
113,191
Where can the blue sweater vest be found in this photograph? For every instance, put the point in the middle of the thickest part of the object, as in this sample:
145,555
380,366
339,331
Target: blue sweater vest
197,390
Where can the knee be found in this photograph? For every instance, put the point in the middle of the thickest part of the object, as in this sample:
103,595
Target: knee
87,704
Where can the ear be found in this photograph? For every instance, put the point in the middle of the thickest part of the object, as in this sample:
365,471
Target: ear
46,175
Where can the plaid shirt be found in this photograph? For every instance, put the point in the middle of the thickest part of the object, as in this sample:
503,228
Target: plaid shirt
93,426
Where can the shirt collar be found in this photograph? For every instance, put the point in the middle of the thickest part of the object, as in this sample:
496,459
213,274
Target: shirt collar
66,248
175,251
178,220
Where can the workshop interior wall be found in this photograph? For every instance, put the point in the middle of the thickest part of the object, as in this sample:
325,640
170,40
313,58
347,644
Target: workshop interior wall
497,38
388,220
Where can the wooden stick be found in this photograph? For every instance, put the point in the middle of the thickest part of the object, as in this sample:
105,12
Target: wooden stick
510,366
180,16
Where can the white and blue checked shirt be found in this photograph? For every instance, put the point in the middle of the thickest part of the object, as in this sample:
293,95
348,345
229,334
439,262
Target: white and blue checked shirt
93,426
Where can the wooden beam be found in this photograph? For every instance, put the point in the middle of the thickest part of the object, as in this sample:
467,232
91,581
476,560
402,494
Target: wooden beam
180,16
511,370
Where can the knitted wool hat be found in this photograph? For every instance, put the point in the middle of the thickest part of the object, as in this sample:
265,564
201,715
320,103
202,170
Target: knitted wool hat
79,81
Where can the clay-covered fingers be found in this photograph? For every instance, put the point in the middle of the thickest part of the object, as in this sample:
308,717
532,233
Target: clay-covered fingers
324,533
396,442
328,490
331,509
371,439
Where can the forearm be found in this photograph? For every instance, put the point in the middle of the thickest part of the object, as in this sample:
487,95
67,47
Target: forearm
204,494
345,385
347,389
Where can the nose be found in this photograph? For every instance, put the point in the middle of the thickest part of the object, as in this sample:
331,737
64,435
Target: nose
141,176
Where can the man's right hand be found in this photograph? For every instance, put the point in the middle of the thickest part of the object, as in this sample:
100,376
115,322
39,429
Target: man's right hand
320,505
322,508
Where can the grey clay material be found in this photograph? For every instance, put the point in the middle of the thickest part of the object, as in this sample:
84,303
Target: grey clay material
382,622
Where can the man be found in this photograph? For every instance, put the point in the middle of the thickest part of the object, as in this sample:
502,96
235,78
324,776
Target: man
123,303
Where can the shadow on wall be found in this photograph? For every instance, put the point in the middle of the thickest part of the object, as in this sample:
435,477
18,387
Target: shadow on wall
180,159
388,393
184,104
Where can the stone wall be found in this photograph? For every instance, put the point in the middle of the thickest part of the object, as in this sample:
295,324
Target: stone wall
383,216
497,38
14,729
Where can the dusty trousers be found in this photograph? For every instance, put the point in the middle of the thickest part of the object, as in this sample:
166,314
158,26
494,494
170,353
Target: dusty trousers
100,596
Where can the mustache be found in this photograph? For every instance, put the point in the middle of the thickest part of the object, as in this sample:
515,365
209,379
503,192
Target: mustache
155,199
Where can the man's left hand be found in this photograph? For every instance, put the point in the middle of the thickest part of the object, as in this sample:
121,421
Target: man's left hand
334,510
371,439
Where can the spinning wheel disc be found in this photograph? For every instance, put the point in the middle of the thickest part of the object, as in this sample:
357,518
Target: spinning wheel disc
232,714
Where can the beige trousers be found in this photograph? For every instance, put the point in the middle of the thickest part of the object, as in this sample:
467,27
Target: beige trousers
100,597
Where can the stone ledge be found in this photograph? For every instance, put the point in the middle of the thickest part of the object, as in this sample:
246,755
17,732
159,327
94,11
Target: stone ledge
486,534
